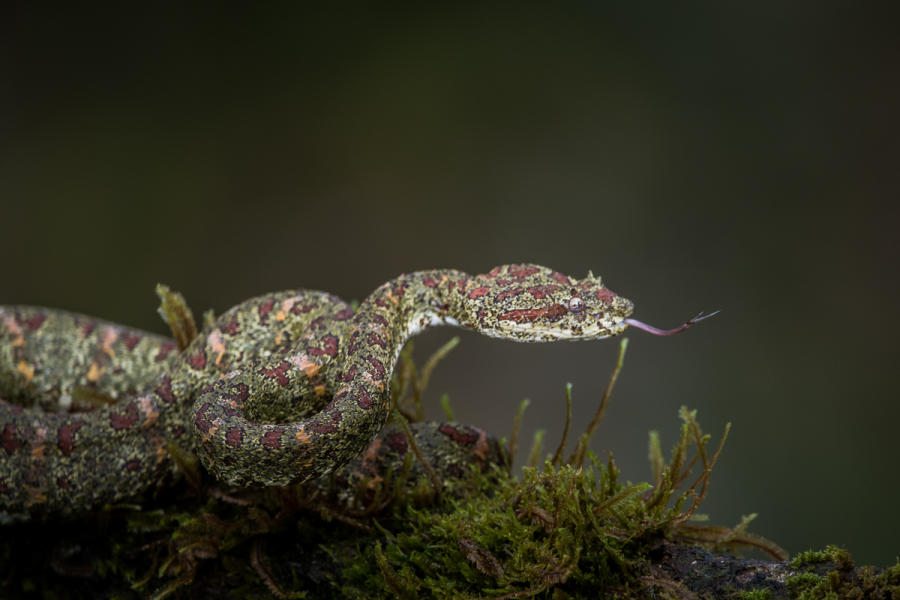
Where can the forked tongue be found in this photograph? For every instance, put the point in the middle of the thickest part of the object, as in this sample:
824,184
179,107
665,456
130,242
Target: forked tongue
679,329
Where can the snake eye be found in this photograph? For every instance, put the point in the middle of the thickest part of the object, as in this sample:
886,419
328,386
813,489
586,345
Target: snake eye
576,305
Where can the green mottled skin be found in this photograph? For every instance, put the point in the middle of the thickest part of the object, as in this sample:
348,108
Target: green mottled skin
280,389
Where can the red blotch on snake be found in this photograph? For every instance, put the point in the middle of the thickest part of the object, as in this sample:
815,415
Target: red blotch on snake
513,292
131,340
563,279
541,291
279,373
164,351
272,438
124,421
8,440
604,294
530,315
265,308
235,437
164,390
34,322
201,422
232,327
66,436
198,361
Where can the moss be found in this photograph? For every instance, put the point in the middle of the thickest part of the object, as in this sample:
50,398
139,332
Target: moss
753,595
518,536
565,528
802,585
831,574
810,557
831,554
174,310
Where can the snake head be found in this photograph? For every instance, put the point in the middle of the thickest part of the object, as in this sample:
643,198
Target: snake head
531,303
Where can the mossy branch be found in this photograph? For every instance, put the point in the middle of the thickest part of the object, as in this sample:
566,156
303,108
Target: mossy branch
174,310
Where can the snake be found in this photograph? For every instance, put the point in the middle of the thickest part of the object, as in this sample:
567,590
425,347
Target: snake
281,389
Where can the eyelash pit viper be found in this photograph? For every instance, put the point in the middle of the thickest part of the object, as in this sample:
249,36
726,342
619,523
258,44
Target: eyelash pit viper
280,389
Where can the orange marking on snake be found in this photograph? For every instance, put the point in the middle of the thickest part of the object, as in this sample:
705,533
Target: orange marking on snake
95,372
25,369
215,341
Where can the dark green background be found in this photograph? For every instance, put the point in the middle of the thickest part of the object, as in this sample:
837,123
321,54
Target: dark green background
735,157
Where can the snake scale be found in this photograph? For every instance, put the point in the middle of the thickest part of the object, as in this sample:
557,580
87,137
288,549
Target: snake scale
279,389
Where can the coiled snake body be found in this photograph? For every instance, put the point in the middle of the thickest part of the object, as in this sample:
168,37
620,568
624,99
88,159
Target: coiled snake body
279,389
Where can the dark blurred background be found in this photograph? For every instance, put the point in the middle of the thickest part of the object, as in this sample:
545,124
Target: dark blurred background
739,157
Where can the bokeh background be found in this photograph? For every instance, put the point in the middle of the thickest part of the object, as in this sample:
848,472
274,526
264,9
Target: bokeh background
739,157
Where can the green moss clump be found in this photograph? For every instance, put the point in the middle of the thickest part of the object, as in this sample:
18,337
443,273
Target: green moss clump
830,574
516,537
570,529
831,554
800,586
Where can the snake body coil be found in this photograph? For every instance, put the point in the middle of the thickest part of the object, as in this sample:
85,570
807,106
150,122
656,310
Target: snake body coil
280,389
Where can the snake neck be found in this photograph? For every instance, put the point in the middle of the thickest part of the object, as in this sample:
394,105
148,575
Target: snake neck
405,307
386,319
